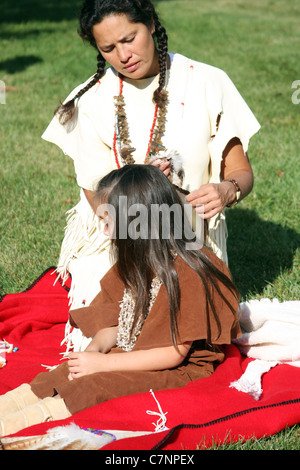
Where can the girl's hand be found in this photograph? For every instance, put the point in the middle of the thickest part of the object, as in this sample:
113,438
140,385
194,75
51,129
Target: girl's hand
85,363
103,340
210,199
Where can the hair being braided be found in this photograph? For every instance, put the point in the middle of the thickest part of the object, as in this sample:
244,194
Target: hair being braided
138,11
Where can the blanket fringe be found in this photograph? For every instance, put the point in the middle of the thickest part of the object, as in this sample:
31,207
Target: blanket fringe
250,381
161,423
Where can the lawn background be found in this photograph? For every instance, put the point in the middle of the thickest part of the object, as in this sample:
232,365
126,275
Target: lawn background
42,59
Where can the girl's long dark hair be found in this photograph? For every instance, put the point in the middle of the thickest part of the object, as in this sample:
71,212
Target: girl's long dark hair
137,11
139,258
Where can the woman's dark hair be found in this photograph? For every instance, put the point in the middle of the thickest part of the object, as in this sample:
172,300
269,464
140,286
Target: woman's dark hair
137,11
139,259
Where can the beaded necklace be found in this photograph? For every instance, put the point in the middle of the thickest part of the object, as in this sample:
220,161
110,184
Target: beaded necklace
121,133
126,338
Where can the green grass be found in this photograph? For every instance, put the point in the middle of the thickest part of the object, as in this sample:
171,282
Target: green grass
256,42
288,439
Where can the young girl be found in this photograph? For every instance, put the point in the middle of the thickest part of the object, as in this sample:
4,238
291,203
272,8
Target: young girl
159,321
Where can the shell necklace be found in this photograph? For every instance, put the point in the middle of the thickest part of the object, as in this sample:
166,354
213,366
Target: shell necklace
121,133
126,338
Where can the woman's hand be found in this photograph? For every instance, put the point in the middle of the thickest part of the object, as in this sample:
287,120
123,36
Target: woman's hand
210,199
163,164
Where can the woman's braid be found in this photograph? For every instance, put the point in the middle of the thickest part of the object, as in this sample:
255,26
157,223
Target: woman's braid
162,45
66,111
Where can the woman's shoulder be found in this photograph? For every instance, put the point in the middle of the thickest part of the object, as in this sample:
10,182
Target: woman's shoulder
107,82
197,67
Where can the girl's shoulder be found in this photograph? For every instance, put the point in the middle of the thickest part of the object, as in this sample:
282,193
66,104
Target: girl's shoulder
186,272
112,283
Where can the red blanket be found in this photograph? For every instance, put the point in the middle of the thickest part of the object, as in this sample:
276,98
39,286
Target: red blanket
203,412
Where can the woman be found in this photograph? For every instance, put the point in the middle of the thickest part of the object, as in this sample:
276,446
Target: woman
159,322
149,106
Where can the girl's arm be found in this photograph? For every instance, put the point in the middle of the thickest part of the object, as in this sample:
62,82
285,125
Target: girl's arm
103,340
87,362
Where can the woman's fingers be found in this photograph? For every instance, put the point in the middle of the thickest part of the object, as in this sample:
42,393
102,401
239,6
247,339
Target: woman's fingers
208,200
163,164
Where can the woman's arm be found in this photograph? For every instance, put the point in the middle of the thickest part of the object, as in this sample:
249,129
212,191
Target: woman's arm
236,165
84,363
213,198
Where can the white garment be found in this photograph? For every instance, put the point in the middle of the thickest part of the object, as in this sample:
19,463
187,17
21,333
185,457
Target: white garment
271,335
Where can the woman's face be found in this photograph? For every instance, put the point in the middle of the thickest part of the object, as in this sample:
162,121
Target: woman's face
128,47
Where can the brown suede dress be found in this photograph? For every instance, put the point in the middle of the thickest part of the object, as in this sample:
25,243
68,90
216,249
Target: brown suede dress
195,323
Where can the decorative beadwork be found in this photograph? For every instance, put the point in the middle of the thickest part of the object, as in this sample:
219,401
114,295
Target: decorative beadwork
125,338
121,134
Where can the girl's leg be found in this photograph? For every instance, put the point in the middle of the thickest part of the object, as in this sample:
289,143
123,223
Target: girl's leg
91,390
48,409
45,384
34,403
16,399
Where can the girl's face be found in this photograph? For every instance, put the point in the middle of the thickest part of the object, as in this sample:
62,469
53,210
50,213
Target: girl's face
106,219
128,47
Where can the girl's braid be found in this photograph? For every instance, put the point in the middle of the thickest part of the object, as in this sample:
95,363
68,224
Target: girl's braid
66,111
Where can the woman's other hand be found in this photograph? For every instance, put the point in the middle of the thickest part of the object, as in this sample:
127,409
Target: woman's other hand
163,164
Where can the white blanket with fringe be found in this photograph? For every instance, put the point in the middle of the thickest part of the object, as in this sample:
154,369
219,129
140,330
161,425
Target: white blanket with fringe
271,336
